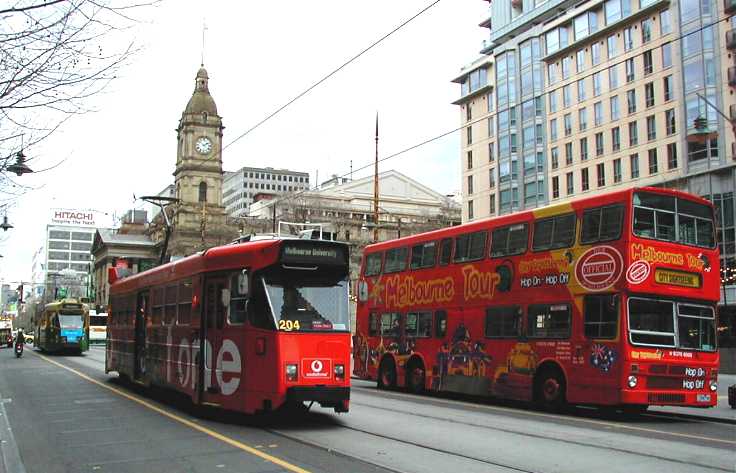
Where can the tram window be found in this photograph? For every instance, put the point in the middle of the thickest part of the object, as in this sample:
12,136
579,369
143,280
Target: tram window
170,309
184,313
601,316
602,224
440,324
373,264
390,324
549,321
509,241
423,255
236,312
215,307
418,324
374,325
470,247
258,309
502,322
395,260
157,314
554,232
445,251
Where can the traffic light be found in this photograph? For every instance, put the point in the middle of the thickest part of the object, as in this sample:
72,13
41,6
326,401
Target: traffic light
20,293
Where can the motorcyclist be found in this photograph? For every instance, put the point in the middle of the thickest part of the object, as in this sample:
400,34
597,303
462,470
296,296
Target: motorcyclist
20,339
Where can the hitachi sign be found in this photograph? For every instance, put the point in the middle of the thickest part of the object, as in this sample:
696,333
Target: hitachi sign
72,217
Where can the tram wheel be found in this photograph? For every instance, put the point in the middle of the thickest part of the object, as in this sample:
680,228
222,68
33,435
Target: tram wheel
416,377
387,374
550,389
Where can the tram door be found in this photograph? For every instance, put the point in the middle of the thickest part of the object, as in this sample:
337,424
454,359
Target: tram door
213,323
141,314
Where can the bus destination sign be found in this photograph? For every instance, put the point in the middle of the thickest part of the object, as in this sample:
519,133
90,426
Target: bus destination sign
310,253
677,278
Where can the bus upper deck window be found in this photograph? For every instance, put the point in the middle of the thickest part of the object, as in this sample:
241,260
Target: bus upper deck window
665,217
445,251
396,260
373,264
602,224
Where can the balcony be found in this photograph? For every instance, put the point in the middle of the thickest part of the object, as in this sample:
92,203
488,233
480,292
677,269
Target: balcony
731,39
729,6
732,76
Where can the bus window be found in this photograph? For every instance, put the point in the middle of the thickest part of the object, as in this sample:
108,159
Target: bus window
602,224
374,326
554,232
390,324
418,325
445,251
601,316
184,313
236,312
470,247
549,321
511,240
502,322
655,216
440,324
157,315
423,255
373,264
652,322
395,260
170,309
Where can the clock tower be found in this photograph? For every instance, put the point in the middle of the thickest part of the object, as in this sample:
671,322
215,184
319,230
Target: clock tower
199,221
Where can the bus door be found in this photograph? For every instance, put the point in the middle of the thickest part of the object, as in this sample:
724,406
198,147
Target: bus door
213,322
141,313
597,352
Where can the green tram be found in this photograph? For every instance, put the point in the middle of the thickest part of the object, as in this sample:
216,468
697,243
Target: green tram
63,325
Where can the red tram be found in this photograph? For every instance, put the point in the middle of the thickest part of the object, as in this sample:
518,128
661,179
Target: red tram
247,327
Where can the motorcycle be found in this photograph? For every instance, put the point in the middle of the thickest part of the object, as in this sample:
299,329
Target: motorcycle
18,350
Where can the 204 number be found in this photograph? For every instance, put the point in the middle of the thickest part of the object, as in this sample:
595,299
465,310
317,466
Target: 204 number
288,325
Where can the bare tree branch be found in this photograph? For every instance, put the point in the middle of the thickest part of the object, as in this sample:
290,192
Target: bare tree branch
55,56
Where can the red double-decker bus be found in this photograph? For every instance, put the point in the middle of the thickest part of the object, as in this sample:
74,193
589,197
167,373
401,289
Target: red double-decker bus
247,327
608,300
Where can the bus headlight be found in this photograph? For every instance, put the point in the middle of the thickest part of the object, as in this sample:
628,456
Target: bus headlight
292,373
633,381
340,371
713,385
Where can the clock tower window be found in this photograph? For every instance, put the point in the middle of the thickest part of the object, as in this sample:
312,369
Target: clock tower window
203,191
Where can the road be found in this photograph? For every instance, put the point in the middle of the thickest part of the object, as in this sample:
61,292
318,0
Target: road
84,421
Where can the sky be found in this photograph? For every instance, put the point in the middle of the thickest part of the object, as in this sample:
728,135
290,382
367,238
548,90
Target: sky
259,55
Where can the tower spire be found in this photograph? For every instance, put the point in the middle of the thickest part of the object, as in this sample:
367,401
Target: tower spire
204,29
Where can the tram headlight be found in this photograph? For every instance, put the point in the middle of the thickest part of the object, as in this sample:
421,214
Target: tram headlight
713,385
633,381
340,371
292,372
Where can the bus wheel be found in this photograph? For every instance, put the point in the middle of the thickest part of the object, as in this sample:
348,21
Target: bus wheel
387,374
416,377
550,389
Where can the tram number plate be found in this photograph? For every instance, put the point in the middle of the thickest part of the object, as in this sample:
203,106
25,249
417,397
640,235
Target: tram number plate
703,397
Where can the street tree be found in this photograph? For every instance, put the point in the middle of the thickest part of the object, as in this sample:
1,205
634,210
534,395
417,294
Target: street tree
54,56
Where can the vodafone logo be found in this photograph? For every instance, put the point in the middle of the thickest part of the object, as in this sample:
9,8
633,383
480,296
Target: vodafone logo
599,268
638,272
316,368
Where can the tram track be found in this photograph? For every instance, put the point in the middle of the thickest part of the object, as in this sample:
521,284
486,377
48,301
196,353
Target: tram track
321,422
309,423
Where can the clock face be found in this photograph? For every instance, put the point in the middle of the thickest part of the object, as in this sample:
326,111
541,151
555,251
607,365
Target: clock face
203,145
